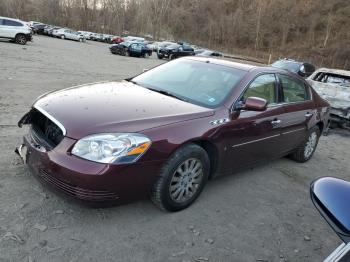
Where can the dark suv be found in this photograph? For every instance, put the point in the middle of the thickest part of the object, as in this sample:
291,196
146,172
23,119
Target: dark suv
175,50
303,69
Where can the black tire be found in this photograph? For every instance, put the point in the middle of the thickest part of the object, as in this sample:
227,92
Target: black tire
160,56
21,39
304,153
63,37
160,193
172,57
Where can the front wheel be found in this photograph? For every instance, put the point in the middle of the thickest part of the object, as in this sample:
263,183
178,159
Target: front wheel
21,39
182,178
305,151
62,37
160,56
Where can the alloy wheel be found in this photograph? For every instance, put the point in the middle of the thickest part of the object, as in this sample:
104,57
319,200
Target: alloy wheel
186,180
310,145
21,40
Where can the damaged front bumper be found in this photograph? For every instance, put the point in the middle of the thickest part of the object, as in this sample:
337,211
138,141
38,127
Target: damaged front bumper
50,160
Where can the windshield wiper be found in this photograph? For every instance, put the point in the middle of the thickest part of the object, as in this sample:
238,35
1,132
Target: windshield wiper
167,93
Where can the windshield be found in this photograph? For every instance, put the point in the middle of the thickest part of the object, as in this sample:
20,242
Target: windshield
201,83
287,65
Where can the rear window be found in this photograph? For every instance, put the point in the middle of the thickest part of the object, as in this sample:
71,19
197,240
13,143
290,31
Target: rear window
11,23
294,90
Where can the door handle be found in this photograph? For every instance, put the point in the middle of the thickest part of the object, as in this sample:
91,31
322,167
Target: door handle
276,122
308,114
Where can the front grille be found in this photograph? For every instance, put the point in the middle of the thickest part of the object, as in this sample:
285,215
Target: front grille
44,131
75,191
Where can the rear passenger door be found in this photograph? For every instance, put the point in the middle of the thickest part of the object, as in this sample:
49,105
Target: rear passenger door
298,111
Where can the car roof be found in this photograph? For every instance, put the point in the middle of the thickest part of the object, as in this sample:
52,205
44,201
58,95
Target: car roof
242,66
223,62
13,19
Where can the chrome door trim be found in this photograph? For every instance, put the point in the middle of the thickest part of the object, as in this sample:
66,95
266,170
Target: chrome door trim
292,131
257,140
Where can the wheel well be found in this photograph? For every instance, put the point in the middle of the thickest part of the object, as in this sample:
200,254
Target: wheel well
19,34
212,152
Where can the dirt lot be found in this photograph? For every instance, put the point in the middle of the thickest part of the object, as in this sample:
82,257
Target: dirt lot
262,214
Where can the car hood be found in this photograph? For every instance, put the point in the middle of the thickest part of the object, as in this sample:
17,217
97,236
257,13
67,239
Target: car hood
115,107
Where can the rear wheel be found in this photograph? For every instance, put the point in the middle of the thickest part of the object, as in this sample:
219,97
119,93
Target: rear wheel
182,178
305,151
21,39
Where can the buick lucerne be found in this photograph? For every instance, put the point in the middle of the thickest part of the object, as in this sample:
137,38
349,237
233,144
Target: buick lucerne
165,132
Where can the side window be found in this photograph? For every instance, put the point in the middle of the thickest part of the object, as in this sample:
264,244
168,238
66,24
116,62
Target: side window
1,21
293,90
11,23
263,86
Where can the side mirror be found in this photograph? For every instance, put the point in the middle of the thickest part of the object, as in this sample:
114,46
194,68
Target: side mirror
331,197
302,71
253,104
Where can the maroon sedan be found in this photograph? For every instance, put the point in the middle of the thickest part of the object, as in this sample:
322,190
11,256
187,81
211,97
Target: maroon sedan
163,133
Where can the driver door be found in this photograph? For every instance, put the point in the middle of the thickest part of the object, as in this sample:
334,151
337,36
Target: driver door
255,136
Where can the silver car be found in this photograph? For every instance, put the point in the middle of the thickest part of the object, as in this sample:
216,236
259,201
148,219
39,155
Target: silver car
65,33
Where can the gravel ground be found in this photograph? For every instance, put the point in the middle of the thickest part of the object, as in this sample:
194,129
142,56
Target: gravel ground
262,214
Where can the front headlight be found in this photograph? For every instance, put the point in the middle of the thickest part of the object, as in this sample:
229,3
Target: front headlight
112,147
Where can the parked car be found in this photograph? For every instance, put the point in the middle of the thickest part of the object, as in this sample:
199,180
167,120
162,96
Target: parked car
209,53
65,33
131,49
161,45
117,40
303,69
15,30
107,38
164,132
331,197
86,34
38,28
175,50
97,37
50,31
47,28
139,50
334,86
119,49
